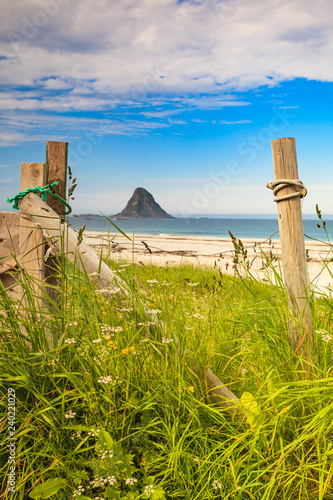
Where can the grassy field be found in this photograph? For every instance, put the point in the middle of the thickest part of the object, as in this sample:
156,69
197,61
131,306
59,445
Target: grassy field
115,411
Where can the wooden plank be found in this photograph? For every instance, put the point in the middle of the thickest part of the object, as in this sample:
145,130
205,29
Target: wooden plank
31,248
9,220
292,245
9,240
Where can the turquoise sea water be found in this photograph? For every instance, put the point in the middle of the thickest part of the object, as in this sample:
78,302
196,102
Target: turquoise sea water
240,226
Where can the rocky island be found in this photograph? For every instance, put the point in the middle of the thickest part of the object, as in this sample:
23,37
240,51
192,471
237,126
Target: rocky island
142,204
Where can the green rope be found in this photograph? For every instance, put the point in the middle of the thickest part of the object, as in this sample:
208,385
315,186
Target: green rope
43,191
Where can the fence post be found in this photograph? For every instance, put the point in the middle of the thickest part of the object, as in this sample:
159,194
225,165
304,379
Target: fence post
292,245
56,170
31,248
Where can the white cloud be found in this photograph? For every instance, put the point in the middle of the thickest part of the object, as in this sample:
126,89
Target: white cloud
6,181
166,46
62,56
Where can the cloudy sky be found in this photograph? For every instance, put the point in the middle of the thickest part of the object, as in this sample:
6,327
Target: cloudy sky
181,97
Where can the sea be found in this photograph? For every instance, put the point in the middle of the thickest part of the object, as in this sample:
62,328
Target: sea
257,227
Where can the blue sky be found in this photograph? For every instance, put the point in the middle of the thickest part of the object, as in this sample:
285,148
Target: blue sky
182,98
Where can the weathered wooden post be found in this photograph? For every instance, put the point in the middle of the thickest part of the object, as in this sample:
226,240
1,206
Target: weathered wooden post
289,190
56,170
31,247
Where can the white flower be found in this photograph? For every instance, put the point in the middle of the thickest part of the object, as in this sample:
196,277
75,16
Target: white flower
131,481
166,340
70,414
96,341
70,341
197,315
153,311
193,284
216,485
94,432
108,380
149,490
152,281
324,335
107,454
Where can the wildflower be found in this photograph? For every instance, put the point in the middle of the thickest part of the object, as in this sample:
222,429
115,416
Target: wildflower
97,341
132,348
100,481
166,340
324,335
130,481
124,265
193,284
153,311
94,432
70,341
191,388
198,316
101,291
70,414
77,435
243,370
107,454
79,491
152,281
149,490
216,485
148,323
72,323
116,329
124,351
196,459
107,380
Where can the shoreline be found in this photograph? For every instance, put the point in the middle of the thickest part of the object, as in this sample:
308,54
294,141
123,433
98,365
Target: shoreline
207,251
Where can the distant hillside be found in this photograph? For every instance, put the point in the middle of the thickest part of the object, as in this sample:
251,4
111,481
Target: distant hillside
142,204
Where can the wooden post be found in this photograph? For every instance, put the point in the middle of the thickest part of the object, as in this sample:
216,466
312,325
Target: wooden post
56,170
293,246
31,248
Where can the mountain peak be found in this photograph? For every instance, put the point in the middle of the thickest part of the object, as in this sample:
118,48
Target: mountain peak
142,204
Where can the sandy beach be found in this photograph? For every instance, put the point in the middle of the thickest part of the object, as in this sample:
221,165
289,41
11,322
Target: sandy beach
167,250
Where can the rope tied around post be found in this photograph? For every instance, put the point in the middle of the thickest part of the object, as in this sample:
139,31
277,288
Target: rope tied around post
282,183
43,191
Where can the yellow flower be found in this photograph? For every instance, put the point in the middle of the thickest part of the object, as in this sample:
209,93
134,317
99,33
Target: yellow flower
107,337
191,388
110,342
132,348
124,351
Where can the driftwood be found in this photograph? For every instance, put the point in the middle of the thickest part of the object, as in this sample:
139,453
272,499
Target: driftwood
65,241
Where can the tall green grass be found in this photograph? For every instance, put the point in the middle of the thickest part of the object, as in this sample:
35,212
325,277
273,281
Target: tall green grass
112,410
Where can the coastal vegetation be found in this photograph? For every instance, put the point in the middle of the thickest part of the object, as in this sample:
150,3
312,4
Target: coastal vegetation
113,410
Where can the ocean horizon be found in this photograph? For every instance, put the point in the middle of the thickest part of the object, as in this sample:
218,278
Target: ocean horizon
247,226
